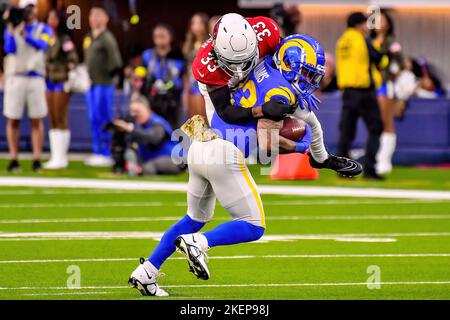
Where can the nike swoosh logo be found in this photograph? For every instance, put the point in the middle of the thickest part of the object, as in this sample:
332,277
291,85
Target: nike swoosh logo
149,276
275,27
351,167
201,74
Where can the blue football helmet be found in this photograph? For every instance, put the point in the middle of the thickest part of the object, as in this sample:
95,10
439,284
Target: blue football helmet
301,61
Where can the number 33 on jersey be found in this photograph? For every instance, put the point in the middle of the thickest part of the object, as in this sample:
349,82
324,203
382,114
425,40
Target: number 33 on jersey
206,70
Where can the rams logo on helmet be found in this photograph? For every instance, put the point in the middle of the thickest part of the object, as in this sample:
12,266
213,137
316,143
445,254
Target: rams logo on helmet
301,61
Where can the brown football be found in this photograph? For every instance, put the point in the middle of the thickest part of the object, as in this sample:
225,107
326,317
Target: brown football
293,129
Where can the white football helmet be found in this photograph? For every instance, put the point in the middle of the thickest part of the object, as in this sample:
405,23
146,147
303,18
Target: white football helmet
235,45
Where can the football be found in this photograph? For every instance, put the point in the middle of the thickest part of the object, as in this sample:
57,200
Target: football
293,128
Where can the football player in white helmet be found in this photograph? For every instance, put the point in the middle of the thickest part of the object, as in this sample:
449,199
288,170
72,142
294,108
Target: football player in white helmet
235,46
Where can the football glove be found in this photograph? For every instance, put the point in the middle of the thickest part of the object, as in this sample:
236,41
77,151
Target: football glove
310,102
303,144
275,110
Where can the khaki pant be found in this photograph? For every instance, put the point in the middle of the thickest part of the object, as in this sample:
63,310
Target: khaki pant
24,92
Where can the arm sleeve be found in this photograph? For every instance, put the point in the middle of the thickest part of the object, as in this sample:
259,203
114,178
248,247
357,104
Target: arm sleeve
42,42
228,112
10,43
114,59
150,137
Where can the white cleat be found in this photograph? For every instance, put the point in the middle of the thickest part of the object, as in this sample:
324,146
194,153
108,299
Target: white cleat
144,279
191,246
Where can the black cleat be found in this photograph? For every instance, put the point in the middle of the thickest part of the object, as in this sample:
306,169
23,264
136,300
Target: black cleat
343,166
13,166
36,166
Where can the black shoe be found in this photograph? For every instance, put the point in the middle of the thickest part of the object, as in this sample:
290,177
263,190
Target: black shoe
13,166
344,166
36,166
373,176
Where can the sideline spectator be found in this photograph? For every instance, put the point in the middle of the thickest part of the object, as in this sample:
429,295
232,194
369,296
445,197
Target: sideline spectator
103,60
288,17
152,133
193,101
429,86
329,81
390,67
164,71
61,58
25,46
211,23
354,56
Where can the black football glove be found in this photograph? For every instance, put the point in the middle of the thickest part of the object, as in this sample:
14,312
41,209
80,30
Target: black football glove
276,111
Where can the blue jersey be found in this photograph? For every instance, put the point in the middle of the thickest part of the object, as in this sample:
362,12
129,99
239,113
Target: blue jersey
264,83
170,68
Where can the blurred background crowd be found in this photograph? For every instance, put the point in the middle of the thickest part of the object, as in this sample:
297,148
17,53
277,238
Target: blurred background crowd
127,65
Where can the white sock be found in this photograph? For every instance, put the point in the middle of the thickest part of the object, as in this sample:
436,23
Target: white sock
318,150
54,136
385,152
150,267
66,142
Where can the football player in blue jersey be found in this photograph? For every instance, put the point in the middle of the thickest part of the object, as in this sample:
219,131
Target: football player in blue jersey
290,76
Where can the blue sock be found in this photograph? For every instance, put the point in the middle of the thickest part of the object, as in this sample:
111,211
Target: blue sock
165,247
233,232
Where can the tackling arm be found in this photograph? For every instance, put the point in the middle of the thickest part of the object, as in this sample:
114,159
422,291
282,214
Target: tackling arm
220,97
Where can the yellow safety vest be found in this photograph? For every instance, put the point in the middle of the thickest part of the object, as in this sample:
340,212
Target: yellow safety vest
352,60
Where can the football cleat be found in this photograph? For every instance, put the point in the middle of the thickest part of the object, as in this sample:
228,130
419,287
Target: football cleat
144,279
344,166
188,245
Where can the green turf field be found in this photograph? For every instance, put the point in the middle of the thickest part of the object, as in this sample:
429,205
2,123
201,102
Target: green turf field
314,247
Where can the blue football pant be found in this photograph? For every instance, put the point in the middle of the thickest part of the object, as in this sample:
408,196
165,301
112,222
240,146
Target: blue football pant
100,101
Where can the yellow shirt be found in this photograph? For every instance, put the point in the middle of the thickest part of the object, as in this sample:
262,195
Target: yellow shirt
352,60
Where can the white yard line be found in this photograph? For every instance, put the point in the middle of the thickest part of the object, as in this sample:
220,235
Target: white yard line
69,192
243,285
67,293
81,204
270,256
92,235
182,187
274,218
183,204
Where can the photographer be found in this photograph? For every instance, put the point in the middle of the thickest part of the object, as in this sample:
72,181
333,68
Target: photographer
152,135
26,40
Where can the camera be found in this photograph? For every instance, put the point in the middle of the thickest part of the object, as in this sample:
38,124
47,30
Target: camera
119,143
15,15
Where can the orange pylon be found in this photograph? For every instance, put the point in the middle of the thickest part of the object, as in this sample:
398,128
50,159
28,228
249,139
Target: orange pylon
293,166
